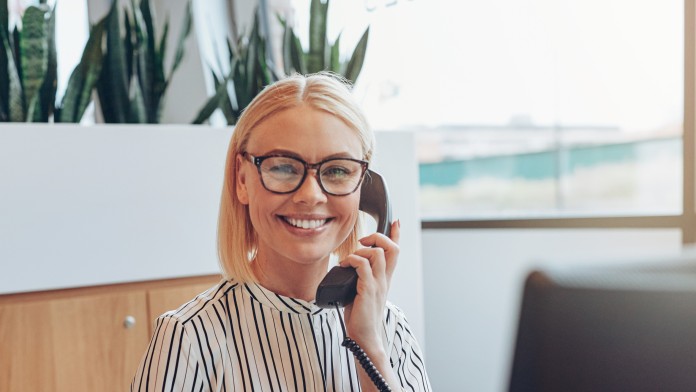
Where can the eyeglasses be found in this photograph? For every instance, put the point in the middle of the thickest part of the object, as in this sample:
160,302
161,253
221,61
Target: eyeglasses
284,174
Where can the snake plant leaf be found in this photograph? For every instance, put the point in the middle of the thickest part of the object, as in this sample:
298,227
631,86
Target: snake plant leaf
285,50
47,92
145,59
179,54
293,55
357,58
4,16
112,86
162,46
249,74
260,67
34,55
213,102
4,74
161,82
14,100
15,39
252,56
138,110
229,107
128,44
183,35
316,57
83,78
334,59
236,78
136,64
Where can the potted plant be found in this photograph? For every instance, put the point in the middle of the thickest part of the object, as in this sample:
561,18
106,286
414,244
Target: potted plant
251,70
28,70
133,82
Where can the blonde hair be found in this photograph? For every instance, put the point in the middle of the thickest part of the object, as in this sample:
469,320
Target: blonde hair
237,240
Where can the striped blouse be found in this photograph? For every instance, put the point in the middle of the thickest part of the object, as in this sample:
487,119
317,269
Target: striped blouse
243,337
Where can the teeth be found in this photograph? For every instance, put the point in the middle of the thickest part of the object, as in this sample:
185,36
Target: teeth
306,223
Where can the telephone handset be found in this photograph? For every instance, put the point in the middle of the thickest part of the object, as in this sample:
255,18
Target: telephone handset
339,286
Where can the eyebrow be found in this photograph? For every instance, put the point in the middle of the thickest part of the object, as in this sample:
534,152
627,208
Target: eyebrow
293,154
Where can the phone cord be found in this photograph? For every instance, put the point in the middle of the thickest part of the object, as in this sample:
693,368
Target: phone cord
363,359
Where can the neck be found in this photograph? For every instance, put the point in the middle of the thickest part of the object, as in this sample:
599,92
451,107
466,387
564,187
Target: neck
288,278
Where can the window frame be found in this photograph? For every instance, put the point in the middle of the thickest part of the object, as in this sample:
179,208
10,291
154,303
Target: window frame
686,221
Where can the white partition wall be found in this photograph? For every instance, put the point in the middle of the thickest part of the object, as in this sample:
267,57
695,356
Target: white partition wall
107,204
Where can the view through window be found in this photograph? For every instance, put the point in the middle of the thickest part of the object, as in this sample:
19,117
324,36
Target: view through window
528,108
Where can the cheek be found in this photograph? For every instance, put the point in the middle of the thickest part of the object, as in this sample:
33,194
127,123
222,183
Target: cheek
349,208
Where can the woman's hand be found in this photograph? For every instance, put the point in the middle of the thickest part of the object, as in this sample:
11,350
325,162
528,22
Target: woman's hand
375,266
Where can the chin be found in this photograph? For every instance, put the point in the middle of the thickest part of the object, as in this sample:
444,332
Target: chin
309,257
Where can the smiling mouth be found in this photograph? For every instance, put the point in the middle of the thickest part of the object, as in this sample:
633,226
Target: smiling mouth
306,223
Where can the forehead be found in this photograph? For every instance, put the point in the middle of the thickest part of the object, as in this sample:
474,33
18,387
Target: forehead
311,133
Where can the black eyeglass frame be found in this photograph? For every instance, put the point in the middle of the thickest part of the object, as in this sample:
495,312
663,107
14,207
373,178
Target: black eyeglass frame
257,161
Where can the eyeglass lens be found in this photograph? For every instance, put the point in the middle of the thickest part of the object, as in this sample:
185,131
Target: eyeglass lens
284,174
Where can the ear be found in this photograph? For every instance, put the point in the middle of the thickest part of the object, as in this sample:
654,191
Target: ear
241,179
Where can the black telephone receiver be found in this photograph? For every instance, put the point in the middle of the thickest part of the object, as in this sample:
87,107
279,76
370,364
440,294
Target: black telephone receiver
339,286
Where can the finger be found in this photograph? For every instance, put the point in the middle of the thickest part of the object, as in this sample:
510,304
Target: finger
394,253
379,240
391,248
376,258
395,234
361,265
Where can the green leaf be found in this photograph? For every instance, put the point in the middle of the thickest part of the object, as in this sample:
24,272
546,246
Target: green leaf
335,61
138,110
4,75
113,81
34,54
185,32
236,78
212,104
128,44
285,49
293,55
4,17
162,47
83,78
317,36
357,58
146,62
14,100
14,41
231,114
47,92
252,53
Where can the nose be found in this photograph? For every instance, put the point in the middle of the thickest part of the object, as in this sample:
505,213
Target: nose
310,192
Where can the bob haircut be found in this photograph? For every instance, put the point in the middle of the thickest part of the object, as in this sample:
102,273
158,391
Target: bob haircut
237,240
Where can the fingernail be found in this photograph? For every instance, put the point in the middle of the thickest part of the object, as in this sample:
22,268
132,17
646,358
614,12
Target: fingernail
398,223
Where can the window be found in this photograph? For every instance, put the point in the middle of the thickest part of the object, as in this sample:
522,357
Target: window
536,108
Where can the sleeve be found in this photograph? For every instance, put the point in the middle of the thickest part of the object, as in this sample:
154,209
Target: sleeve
406,355
170,362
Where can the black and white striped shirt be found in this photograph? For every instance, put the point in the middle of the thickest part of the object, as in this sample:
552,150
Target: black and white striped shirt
243,337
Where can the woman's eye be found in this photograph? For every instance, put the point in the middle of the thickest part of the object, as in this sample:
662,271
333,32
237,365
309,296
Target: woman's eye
283,169
336,172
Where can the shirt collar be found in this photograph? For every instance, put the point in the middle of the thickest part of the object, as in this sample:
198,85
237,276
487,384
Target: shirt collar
280,302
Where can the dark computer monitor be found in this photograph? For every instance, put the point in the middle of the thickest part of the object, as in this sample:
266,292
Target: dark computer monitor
629,328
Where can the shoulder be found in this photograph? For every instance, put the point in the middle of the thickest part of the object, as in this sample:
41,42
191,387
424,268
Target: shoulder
212,297
396,326
394,314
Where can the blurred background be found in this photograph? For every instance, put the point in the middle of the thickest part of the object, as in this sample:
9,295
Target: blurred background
546,132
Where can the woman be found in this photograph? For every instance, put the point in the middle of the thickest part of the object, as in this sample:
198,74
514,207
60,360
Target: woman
289,201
